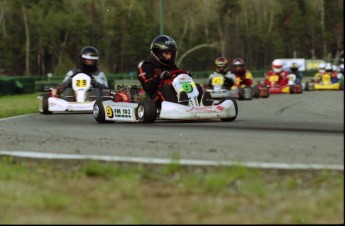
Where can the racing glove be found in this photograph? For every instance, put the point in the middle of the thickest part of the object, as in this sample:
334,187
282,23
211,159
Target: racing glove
165,75
94,83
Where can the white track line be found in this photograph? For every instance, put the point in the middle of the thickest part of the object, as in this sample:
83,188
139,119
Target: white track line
18,116
266,165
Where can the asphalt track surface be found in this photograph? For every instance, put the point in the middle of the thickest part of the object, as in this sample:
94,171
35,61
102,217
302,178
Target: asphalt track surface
305,128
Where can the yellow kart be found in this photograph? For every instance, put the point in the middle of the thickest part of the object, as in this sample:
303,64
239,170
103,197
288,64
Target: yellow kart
324,83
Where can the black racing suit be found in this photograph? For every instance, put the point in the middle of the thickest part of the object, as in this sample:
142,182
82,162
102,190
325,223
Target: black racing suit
157,89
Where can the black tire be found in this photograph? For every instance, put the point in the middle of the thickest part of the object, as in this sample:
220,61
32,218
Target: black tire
292,89
146,111
236,109
98,111
240,94
45,105
306,86
256,92
248,93
267,93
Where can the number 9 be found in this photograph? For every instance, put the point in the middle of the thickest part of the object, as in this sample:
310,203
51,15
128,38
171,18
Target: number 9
187,87
109,112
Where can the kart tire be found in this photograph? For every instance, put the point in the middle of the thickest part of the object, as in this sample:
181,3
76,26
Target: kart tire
236,109
256,92
248,93
45,105
267,93
98,111
146,111
292,89
240,94
306,86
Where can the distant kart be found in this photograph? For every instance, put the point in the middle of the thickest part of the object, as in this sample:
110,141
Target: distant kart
145,110
324,84
290,88
82,99
218,91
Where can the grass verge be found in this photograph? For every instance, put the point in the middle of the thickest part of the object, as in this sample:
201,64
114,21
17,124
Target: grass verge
13,105
94,192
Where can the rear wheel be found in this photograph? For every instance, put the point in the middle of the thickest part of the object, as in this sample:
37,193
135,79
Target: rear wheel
256,93
146,111
45,104
298,88
240,94
292,89
236,110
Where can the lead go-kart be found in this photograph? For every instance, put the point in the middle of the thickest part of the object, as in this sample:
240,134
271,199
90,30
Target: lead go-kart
240,92
275,88
81,100
145,110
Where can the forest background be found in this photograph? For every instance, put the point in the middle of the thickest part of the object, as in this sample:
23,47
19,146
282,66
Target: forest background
38,37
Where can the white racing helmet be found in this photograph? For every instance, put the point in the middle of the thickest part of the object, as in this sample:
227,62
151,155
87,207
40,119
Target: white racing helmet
322,67
277,66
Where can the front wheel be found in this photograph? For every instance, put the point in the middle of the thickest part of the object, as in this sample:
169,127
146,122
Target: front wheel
45,104
98,111
146,111
236,110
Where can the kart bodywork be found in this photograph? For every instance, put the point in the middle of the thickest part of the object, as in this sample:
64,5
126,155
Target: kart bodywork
290,88
146,111
82,99
324,84
240,92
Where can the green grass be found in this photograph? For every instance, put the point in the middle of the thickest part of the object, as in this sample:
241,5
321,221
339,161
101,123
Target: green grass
13,105
92,192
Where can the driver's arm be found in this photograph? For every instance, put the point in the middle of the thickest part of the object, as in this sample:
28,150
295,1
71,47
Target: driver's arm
68,80
101,81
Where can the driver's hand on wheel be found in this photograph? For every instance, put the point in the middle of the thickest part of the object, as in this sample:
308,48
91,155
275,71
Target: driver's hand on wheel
93,82
165,75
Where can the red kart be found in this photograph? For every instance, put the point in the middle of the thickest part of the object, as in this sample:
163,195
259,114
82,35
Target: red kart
275,87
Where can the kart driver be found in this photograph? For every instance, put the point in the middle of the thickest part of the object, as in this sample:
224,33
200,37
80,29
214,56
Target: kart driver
156,75
222,68
321,71
294,70
277,70
243,76
88,59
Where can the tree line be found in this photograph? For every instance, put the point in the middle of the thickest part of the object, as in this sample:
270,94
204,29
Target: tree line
45,36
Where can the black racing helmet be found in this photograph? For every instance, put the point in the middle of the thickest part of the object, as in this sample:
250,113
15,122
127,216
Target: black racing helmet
89,53
160,44
294,67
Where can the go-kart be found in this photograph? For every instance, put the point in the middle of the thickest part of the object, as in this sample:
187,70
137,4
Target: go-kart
145,110
240,92
82,99
274,87
324,84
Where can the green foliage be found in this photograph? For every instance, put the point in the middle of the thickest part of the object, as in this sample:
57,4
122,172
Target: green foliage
257,31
